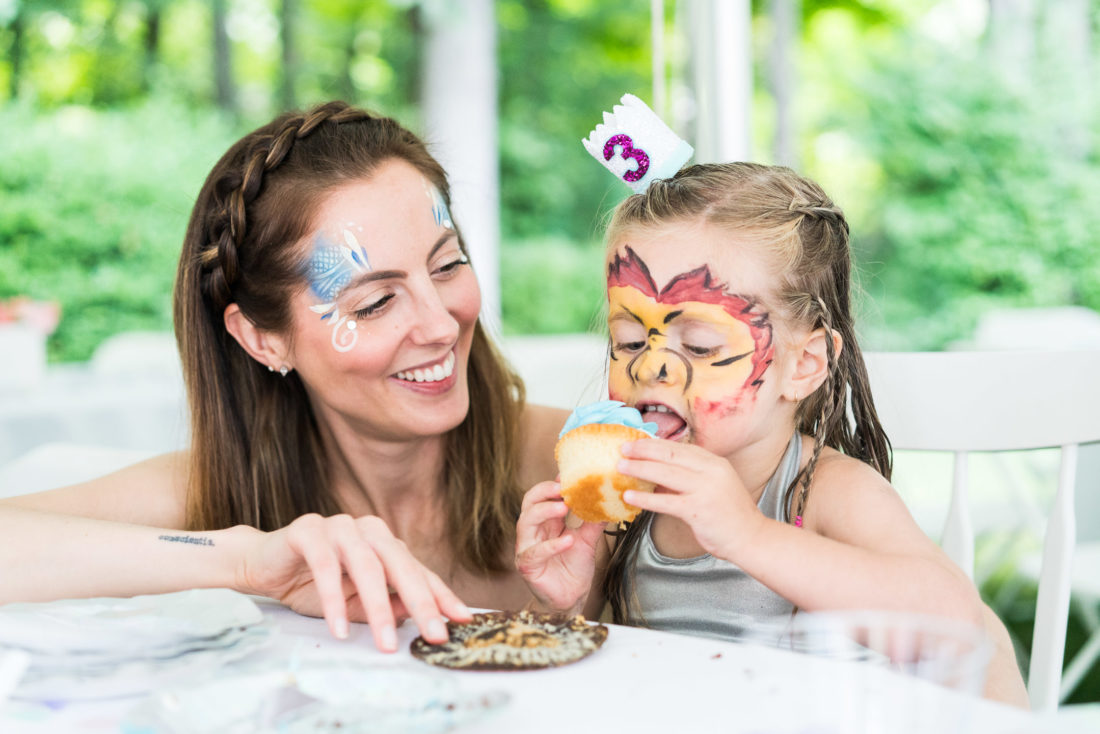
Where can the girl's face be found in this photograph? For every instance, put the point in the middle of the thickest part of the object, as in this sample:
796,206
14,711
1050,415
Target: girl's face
692,343
381,334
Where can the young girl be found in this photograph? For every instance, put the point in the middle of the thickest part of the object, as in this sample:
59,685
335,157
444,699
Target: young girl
731,329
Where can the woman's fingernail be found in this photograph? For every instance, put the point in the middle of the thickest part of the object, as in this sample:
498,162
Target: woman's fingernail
389,638
340,629
463,609
436,628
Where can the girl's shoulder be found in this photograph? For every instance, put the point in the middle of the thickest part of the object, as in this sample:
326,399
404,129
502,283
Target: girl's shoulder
539,425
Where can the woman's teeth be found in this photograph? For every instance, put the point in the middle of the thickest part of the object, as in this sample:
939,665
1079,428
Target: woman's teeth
441,371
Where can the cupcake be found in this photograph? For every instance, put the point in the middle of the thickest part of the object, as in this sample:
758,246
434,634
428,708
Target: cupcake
587,452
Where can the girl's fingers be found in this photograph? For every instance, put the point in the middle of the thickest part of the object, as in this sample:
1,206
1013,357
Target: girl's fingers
670,476
541,492
536,556
667,504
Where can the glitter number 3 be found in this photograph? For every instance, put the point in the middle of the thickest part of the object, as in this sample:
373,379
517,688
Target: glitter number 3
628,151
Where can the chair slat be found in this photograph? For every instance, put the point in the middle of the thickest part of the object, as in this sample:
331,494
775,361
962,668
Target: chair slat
1052,609
958,530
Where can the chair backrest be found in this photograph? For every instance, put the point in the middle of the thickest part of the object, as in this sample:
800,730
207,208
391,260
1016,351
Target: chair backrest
966,402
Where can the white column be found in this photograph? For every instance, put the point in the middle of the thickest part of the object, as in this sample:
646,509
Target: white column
721,60
460,127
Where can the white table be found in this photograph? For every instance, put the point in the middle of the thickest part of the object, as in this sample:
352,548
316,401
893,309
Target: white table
640,680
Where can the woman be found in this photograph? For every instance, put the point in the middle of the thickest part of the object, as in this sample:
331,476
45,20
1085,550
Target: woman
359,448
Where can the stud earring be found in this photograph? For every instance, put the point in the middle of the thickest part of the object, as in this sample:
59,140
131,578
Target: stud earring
284,370
270,368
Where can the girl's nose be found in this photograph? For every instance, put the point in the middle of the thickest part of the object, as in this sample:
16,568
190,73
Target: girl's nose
662,366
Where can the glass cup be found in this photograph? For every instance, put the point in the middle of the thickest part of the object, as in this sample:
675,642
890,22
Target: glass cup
892,672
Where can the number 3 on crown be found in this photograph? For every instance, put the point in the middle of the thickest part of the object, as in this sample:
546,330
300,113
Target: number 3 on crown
628,152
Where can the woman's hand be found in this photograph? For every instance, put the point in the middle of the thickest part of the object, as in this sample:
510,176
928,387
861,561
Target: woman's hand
696,486
345,568
556,561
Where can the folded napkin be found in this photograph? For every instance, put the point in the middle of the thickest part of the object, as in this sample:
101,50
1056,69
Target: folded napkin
105,647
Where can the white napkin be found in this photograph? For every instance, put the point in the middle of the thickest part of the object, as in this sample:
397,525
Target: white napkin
108,647
132,625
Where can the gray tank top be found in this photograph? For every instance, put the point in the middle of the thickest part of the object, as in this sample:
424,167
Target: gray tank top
705,595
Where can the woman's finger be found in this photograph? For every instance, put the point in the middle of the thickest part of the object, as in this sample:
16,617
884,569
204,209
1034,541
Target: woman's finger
367,573
406,576
448,601
324,566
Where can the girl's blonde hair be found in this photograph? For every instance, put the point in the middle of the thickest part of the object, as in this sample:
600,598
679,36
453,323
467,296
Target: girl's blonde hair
806,237
257,456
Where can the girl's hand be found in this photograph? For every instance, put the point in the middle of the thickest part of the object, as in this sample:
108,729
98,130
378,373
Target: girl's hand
557,562
342,567
696,486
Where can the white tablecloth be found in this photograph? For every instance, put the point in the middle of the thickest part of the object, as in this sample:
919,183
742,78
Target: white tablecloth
640,681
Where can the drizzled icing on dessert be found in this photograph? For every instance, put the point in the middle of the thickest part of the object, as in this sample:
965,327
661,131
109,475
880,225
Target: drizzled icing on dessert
608,412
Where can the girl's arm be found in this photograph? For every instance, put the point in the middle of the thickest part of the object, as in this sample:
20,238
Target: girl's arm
859,547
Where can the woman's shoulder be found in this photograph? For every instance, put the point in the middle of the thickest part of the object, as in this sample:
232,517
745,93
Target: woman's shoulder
540,425
151,492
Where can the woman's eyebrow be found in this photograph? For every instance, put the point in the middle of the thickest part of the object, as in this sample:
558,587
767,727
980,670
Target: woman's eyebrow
443,238
391,274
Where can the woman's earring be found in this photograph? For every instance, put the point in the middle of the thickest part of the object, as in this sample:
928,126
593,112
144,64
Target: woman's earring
283,370
270,368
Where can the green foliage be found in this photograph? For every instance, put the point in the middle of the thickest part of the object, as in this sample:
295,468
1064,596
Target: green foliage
94,208
982,201
576,59
551,287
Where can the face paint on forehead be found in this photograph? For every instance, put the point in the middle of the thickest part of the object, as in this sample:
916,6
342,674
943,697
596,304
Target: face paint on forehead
332,264
440,213
699,286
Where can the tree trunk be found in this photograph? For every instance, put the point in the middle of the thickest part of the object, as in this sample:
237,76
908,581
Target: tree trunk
152,45
16,53
288,11
1012,36
225,94
781,74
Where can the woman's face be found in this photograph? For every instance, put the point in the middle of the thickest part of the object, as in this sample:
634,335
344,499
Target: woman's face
691,337
381,334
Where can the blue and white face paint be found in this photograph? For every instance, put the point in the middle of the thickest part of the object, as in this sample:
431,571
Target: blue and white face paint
339,258
440,213
331,267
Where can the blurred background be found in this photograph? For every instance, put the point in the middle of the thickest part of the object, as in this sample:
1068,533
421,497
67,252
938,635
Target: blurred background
960,136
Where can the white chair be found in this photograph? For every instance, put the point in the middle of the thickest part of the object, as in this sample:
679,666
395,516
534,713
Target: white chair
966,402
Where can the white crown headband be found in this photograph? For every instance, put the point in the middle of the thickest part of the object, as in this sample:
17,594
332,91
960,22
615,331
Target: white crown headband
636,145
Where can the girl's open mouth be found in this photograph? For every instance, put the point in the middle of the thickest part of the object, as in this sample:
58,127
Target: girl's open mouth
670,424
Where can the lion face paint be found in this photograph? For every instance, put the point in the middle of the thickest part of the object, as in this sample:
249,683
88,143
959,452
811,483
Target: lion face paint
690,338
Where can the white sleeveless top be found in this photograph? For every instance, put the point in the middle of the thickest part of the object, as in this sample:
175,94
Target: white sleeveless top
705,595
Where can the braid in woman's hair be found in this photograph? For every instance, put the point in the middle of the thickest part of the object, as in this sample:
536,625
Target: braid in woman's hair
236,190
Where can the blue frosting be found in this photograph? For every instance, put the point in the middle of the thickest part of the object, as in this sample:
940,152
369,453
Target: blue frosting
608,411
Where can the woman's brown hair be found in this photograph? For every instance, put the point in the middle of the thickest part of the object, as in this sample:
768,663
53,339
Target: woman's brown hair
805,235
257,456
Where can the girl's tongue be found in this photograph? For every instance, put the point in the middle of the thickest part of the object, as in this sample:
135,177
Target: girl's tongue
669,424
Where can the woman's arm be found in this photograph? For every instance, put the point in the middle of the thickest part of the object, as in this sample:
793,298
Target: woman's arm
119,536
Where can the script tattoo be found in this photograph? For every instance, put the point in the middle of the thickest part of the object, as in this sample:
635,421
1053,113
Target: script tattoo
185,539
